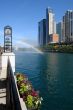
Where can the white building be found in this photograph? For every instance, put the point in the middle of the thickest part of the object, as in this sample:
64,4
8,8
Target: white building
50,24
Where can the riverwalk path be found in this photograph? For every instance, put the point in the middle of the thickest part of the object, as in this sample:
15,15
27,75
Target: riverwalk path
2,87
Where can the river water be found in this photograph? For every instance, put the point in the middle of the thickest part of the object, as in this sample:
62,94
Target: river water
52,75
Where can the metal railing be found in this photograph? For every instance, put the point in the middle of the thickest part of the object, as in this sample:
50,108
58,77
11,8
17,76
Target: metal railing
12,100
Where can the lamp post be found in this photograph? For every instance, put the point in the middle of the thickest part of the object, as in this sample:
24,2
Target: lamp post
7,39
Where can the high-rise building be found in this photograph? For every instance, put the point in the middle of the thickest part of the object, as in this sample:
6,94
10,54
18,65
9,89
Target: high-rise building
50,24
42,32
59,31
68,26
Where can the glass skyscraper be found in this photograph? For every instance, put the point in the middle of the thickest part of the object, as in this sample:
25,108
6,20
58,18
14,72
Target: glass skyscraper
42,32
59,30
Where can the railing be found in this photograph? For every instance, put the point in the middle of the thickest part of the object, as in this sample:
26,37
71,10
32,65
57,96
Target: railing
12,100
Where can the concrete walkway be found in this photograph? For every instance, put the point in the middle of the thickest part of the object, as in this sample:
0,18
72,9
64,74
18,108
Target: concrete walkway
2,87
2,95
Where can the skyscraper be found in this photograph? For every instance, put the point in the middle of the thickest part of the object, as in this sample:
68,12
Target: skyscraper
68,26
50,24
59,30
42,32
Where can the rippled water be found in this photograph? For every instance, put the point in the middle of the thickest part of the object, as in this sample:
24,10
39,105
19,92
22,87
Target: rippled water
52,75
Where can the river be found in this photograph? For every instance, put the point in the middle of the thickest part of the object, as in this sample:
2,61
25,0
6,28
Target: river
52,75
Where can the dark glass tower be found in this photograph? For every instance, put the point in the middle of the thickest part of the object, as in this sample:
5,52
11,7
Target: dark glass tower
42,32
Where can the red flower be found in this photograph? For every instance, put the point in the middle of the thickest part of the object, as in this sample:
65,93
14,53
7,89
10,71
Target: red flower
34,93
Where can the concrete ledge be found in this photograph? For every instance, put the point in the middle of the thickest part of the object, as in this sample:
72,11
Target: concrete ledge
23,106
11,57
3,74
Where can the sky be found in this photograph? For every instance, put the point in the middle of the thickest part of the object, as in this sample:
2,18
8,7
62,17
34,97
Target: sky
23,16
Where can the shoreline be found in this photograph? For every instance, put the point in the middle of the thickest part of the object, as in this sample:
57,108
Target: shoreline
57,52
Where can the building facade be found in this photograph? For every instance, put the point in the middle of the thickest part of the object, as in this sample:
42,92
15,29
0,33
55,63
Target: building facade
42,32
68,26
50,24
59,31
54,38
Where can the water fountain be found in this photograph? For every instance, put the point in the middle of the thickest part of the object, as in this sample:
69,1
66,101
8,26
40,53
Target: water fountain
23,43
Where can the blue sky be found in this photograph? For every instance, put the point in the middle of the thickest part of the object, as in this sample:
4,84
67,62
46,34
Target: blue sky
24,15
